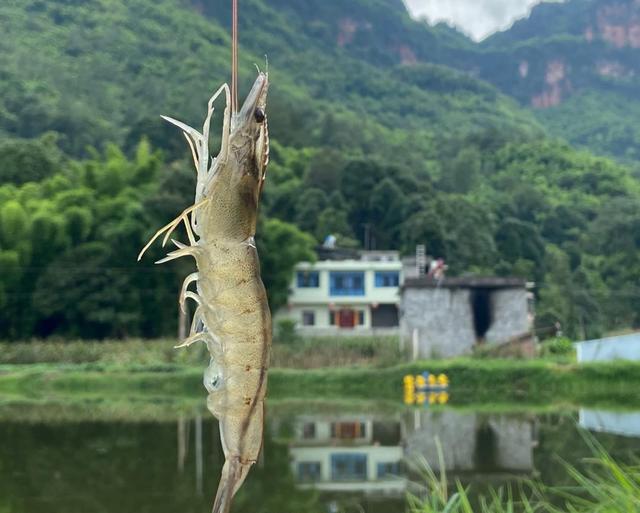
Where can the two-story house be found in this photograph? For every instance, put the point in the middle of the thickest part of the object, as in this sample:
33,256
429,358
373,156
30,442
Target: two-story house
359,294
349,454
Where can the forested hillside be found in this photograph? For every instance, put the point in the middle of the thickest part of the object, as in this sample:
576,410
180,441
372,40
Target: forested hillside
370,128
577,64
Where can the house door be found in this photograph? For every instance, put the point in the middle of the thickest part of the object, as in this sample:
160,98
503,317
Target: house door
347,319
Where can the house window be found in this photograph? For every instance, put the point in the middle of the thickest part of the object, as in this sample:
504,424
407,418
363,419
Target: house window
308,318
348,467
308,279
348,430
309,471
360,317
343,283
387,279
332,318
309,430
388,469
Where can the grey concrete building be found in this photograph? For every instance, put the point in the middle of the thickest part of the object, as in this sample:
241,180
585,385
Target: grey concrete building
474,444
450,317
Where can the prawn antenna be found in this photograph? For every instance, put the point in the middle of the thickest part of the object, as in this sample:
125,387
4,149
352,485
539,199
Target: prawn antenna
234,57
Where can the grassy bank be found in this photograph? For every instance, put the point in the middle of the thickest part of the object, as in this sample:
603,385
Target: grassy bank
312,352
472,381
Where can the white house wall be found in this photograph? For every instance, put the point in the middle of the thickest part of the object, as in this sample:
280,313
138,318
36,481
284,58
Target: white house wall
322,455
321,295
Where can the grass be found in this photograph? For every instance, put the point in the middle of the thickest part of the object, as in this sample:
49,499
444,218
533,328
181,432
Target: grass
606,486
307,353
472,381
327,368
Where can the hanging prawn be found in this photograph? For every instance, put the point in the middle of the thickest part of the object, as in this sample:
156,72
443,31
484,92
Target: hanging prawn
232,316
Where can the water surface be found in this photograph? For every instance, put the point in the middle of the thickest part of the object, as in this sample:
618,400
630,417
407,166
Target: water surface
318,457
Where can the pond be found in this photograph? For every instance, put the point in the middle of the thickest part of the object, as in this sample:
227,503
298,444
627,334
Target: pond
318,457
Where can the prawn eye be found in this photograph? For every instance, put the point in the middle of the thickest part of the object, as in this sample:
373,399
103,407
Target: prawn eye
259,115
212,377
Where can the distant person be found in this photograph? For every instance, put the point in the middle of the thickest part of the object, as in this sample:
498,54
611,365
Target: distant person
330,242
558,328
437,269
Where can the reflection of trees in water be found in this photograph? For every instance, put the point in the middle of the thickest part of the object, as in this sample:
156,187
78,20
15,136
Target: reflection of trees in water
351,503
106,467
109,467
560,440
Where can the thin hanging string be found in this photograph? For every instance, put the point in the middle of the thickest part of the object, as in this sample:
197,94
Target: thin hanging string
234,57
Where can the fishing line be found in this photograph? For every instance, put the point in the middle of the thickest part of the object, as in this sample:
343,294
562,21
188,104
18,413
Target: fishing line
234,57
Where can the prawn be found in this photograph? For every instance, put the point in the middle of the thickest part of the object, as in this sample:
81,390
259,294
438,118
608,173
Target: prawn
232,316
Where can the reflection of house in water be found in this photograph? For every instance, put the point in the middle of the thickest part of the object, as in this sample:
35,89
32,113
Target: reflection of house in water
350,454
472,443
614,422
364,454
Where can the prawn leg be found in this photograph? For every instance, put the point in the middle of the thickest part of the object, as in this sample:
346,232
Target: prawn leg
187,342
187,251
185,286
169,228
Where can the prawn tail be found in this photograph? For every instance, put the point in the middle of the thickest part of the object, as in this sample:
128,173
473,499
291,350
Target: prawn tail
233,475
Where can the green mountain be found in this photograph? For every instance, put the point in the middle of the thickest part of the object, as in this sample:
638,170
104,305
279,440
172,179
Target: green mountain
103,70
577,64
379,123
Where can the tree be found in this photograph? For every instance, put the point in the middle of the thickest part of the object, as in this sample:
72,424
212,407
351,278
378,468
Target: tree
309,206
519,241
281,246
387,207
571,297
83,294
324,170
359,179
332,221
462,174
23,161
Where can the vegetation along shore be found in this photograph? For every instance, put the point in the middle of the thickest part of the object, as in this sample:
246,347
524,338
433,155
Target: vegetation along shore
155,369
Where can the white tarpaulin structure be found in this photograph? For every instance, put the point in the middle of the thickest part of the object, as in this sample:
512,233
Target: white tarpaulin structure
624,347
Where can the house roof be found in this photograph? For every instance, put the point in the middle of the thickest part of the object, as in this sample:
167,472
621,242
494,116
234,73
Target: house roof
466,282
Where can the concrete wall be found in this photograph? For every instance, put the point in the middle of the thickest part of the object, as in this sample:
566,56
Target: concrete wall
514,443
625,347
512,449
455,432
442,318
510,315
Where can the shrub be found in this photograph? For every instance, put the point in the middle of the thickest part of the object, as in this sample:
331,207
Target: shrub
557,346
286,332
